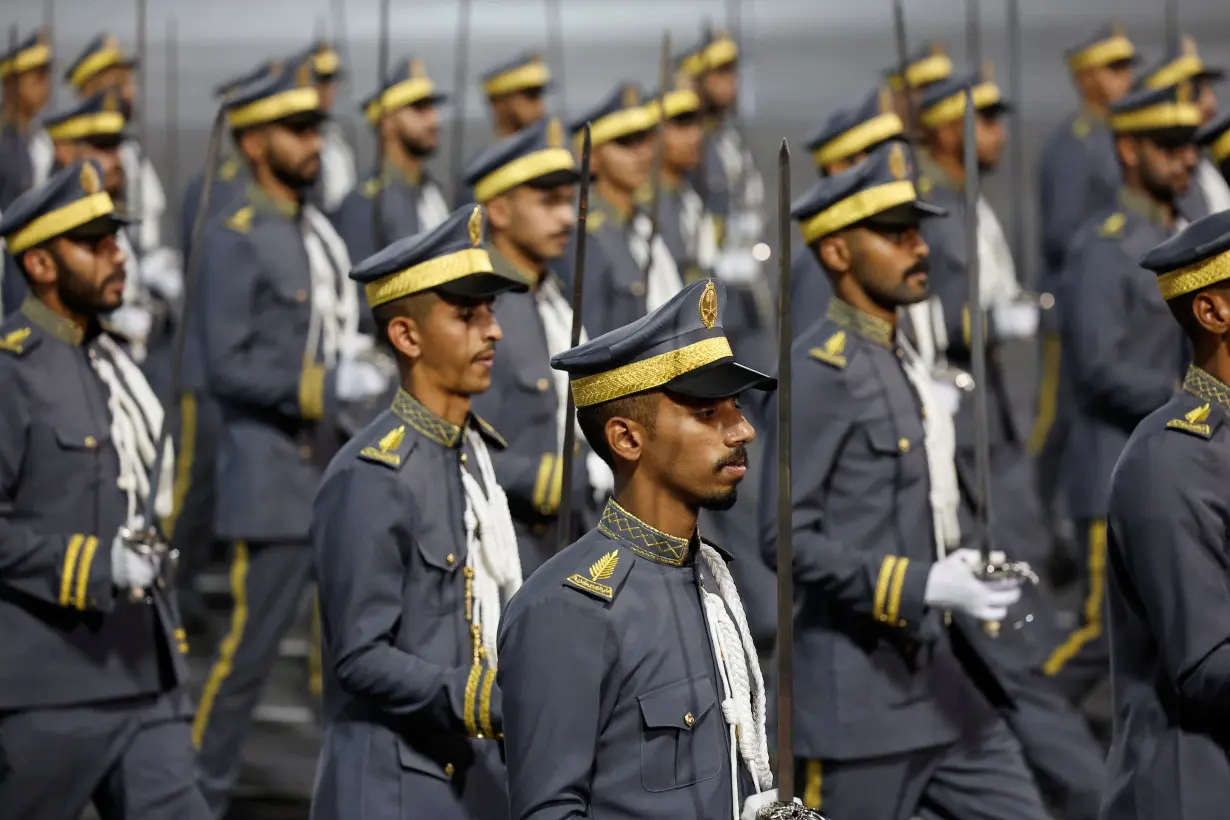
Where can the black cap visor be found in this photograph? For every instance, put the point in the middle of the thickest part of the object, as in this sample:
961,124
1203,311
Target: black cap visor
99,228
303,119
1211,74
480,286
1167,137
554,179
906,215
719,380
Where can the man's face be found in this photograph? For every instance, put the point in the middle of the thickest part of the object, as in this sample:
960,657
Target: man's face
107,155
120,78
540,220
697,450
889,265
1107,83
293,152
1207,101
456,344
1166,168
88,273
990,136
328,94
34,89
418,128
720,86
626,162
522,108
682,140
843,164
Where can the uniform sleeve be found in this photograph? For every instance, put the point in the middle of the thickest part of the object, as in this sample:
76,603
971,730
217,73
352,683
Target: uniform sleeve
554,658
888,588
187,216
353,222
595,313
243,360
1170,536
71,570
361,564
1063,184
1111,387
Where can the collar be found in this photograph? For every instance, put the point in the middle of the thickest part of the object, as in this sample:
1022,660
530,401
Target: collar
1204,385
1140,204
411,179
932,170
873,329
51,322
610,214
1087,111
620,525
412,412
261,200
506,267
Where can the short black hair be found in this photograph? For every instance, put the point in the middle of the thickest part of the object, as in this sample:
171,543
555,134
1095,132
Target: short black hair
1181,309
415,306
639,407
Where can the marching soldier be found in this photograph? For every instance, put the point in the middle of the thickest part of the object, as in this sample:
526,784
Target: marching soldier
1214,138
277,332
659,710
1125,355
416,554
845,140
337,165
527,183
92,702
928,65
628,270
894,710
515,93
1078,178
1167,543
1208,192
405,117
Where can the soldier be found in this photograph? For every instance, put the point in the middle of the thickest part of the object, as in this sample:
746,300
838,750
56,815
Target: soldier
1208,192
1214,138
627,273
1125,355
337,165
277,332
93,705
845,140
405,118
893,709
928,65
1167,540
1078,178
659,711
527,183
515,93
415,552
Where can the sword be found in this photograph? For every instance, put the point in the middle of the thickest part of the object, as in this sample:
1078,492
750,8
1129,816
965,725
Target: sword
664,71
555,52
138,202
1016,159
49,25
460,73
903,63
172,103
1172,22
564,520
378,233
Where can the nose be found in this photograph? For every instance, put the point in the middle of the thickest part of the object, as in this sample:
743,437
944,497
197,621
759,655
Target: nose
494,332
742,431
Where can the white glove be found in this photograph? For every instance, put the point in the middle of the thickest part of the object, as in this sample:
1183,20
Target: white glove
1015,320
753,804
162,274
358,379
953,584
601,479
131,570
737,266
947,394
132,321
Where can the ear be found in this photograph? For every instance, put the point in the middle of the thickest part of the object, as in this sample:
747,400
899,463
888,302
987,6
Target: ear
1128,150
65,153
406,337
626,438
499,212
39,266
252,144
834,253
1211,308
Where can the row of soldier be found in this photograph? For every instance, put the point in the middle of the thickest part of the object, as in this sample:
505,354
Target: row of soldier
282,365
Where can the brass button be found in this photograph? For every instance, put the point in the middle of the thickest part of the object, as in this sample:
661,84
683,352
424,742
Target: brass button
448,770
450,559
305,452
301,296
539,529
903,445
91,353
463,458
90,442
637,288
689,720
543,384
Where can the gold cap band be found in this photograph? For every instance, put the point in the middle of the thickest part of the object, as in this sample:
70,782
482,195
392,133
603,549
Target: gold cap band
1105,52
399,96
1157,118
1176,71
87,125
99,61
276,107
683,101
953,107
33,57
530,75
521,170
1220,149
856,208
61,221
326,62
428,275
1195,276
621,123
859,138
648,373
925,71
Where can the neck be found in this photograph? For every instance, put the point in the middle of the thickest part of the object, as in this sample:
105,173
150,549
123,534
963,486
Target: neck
1097,107
50,299
1160,210
396,155
520,260
848,291
1212,355
620,199
451,407
505,128
276,189
18,117
662,511
952,164
671,176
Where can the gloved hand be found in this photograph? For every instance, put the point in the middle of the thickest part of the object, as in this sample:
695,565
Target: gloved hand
737,266
947,394
1014,320
132,321
953,584
162,274
359,379
753,804
131,570
601,479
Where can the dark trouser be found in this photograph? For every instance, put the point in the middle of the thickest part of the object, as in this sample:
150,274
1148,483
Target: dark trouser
1053,421
267,584
133,759
1082,659
983,777
191,526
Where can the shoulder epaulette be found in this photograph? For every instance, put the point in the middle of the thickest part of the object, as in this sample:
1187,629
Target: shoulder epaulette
1194,421
1081,127
391,450
229,169
241,220
371,187
490,433
925,185
832,352
18,342
644,194
603,578
595,221
1112,226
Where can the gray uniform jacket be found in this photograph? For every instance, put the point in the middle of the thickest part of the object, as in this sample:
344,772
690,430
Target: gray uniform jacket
230,183
876,670
1125,350
409,706
612,698
615,284
399,212
16,167
253,319
1170,611
69,636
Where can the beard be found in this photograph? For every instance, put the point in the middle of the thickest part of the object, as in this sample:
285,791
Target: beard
79,295
725,499
899,294
1157,186
299,178
417,148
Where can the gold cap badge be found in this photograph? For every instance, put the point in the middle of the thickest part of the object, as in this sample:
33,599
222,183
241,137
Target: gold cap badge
708,306
476,226
632,97
90,182
1183,92
896,162
418,70
111,102
304,76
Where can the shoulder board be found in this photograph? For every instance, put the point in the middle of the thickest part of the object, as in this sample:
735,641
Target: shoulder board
490,433
644,194
594,222
832,352
1195,422
391,449
241,220
371,187
1112,226
925,185
229,170
19,341
1081,127
603,578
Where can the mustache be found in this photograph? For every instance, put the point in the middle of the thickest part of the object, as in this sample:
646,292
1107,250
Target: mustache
737,458
921,266
489,348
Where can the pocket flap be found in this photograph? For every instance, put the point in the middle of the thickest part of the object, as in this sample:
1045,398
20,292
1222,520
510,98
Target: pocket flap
74,437
439,557
883,438
415,761
679,705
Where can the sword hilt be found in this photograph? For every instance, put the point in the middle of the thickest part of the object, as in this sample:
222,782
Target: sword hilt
145,541
1004,571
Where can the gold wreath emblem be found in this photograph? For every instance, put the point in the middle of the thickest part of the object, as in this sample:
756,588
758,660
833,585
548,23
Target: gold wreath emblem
476,226
90,183
896,162
708,306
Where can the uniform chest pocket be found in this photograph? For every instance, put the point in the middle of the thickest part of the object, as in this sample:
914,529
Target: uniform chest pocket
681,735
887,441
435,585
79,438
